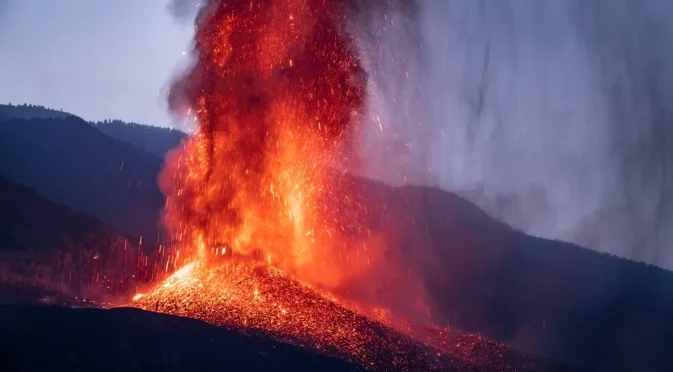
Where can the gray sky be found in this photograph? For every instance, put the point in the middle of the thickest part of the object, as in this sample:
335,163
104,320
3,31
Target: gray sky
95,58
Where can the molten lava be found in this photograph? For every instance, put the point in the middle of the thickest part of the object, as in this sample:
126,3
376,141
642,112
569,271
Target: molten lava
277,93
253,297
262,221
256,297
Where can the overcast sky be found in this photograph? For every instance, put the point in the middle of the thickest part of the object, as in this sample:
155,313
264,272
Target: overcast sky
97,59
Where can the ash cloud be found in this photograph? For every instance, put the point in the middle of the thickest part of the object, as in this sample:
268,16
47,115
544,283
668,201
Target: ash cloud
552,116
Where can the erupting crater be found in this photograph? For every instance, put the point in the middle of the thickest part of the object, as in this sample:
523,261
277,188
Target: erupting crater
255,297
264,227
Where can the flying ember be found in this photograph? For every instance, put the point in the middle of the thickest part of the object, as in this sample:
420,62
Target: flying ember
262,216
278,94
269,233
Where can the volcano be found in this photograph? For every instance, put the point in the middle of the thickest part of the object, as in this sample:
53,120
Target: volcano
269,233
255,298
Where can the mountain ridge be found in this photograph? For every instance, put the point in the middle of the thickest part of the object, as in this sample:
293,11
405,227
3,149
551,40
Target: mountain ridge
548,297
72,163
156,140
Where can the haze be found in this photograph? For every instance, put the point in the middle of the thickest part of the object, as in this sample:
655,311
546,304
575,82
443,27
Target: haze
553,116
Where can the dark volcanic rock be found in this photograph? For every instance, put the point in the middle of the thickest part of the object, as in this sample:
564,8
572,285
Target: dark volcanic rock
59,339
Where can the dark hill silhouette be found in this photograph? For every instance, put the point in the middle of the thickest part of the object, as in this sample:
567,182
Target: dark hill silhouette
58,339
155,140
27,111
72,163
49,246
28,221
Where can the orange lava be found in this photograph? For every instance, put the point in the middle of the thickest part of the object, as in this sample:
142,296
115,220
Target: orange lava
278,94
253,203
254,297
261,229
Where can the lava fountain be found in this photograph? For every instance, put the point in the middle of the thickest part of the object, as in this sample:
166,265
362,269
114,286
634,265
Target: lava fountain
269,234
278,94
262,219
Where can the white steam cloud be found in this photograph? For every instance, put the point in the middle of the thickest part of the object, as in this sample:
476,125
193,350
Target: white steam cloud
553,116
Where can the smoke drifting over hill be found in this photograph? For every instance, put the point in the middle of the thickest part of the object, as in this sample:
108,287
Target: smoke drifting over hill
549,115
552,116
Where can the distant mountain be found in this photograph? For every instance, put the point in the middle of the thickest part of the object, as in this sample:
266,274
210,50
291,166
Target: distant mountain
72,163
156,140
27,111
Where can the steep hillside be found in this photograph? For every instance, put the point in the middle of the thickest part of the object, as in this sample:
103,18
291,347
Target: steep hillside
72,163
156,140
548,297
28,221
46,246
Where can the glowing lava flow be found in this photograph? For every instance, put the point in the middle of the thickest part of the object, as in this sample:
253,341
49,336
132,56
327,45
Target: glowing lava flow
254,297
278,94
252,210
250,296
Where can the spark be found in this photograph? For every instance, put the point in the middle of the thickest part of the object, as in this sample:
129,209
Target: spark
243,293
259,179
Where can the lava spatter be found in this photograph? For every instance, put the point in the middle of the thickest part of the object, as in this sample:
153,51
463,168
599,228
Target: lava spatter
262,223
277,92
254,297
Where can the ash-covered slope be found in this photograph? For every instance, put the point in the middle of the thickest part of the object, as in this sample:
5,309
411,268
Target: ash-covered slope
59,339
